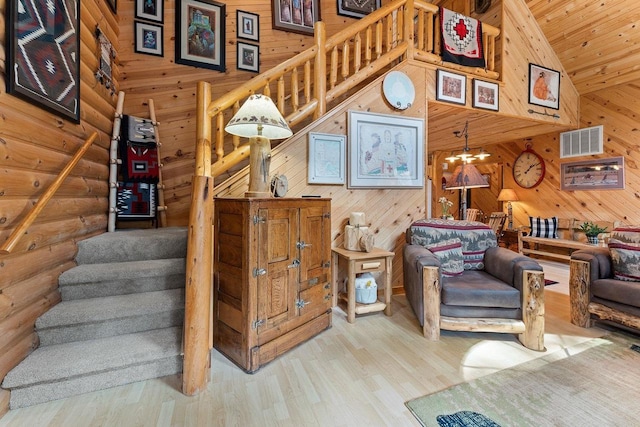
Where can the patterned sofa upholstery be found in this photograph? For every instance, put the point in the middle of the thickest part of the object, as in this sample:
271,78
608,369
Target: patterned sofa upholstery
456,278
604,282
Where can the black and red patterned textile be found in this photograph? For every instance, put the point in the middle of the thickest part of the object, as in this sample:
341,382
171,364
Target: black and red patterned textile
138,150
136,200
45,53
461,39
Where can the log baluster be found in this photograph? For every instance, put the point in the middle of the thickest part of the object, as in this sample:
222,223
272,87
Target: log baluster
294,89
345,60
357,53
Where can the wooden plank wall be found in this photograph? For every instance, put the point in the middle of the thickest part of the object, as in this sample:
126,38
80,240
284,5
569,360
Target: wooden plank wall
35,145
614,108
173,87
388,211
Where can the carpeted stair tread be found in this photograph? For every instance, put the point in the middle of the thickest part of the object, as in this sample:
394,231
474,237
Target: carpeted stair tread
101,309
101,280
57,371
133,245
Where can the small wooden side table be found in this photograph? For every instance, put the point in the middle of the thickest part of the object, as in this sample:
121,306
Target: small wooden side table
509,239
378,260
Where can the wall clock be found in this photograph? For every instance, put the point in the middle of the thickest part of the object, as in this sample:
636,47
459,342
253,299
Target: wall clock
528,168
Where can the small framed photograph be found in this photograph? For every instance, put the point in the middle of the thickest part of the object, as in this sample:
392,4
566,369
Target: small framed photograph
485,95
327,158
296,16
148,38
544,87
451,87
247,25
599,174
151,10
357,8
248,57
200,34
385,151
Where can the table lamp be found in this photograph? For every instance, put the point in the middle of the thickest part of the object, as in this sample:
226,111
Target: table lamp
259,120
508,195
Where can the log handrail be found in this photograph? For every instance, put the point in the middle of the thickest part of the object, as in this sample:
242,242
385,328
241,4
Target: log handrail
22,227
302,86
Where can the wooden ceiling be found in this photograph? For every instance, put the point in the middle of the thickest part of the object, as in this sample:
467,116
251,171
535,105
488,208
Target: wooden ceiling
598,43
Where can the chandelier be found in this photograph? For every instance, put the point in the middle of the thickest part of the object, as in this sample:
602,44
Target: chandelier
466,155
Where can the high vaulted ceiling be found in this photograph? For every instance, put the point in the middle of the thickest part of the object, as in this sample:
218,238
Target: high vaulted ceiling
597,41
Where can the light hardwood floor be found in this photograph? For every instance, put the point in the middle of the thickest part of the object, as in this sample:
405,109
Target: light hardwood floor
351,375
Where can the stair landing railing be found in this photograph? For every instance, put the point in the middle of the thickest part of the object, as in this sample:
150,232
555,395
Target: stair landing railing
301,87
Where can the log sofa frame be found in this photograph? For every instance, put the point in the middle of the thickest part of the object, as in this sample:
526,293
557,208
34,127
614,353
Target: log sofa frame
530,329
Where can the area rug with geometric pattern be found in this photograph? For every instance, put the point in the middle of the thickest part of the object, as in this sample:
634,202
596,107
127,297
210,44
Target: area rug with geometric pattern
595,383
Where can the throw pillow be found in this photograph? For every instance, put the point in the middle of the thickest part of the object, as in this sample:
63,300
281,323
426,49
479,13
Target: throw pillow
449,253
626,260
627,233
544,227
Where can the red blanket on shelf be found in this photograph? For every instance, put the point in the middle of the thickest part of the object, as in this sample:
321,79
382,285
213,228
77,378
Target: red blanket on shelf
461,39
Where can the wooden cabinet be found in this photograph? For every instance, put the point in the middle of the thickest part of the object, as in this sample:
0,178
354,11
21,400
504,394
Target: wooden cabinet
272,276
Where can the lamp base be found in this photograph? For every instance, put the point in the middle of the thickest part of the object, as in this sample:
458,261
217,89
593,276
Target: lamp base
257,194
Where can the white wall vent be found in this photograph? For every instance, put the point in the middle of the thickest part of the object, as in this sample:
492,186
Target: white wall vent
581,142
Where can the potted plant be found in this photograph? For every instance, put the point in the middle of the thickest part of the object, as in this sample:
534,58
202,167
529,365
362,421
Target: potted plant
591,230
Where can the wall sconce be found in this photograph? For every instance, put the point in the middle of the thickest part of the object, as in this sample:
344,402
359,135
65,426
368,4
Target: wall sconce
508,195
259,120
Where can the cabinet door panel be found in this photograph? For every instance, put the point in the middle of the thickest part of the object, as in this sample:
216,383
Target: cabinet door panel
276,254
314,258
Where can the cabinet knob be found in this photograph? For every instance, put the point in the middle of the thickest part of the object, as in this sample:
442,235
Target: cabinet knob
259,272
294,264
301,244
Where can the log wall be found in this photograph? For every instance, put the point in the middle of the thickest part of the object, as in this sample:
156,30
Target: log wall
35,146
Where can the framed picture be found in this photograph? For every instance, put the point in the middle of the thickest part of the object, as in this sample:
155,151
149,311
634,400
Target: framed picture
44,55
451,87
148,38
296,16
247,25
327,154
385,151
544,87
200,28
248,57
113,4
151,10
357,8
485,95
599,174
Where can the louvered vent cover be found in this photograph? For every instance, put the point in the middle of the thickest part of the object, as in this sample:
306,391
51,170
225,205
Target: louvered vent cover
581,142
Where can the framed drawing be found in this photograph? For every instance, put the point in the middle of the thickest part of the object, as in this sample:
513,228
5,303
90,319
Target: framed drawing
44,55
385,151
599,174
544,87
248,57
200,34
357,8
296,16
485,95
113,4
451,87
326,158
148,38
151,10
247,25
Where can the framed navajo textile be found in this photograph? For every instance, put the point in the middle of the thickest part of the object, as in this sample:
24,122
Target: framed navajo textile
357,8
44,54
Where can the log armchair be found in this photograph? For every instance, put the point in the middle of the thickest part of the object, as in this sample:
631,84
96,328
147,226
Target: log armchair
457,279
604,282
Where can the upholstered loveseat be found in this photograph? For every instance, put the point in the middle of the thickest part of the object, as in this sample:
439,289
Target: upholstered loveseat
456,278
604,282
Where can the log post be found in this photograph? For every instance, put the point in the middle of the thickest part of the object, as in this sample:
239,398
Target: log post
579,290
320,70
408,35
431,303
199,273
533,310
